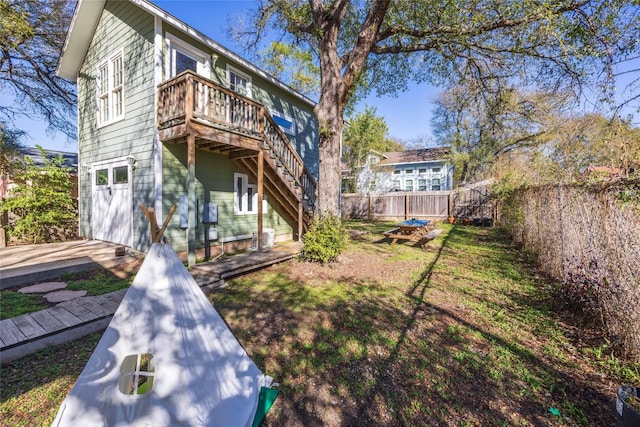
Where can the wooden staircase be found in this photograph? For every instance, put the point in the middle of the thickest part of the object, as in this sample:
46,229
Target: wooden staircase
225,122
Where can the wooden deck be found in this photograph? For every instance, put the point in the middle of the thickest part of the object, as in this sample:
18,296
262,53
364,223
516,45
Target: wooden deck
74,319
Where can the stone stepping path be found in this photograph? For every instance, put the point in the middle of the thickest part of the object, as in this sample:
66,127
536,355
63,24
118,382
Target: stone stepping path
43,288
62,296
54,292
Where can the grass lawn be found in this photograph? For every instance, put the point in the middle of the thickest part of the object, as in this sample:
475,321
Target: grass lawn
460,333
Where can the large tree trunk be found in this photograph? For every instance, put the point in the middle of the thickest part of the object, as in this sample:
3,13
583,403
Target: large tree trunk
329,114
337,80
330,123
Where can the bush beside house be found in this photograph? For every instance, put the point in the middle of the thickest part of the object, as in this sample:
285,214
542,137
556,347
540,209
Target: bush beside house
38,204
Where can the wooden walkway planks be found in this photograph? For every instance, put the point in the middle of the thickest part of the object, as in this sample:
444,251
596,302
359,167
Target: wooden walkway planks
10,333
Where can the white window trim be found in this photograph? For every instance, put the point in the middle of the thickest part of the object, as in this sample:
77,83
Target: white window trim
173,43
404,183
280,114
245,195
108,62
247,77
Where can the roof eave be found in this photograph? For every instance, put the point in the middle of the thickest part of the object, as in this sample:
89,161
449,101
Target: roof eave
83,24
85,20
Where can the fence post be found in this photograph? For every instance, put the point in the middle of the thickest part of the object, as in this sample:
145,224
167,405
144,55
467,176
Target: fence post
406,207
4,220
450,207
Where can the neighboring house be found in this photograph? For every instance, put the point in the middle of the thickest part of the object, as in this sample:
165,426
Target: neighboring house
167,116
70,162
427,169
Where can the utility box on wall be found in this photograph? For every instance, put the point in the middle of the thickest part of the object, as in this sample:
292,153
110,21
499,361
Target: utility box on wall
209,212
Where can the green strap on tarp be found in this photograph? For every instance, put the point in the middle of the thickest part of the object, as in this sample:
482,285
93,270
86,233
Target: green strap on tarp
265,401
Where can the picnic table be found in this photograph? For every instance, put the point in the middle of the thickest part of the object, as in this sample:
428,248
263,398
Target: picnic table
411,229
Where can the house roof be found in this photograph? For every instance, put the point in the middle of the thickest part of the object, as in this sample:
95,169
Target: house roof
416,156
85,20
70,160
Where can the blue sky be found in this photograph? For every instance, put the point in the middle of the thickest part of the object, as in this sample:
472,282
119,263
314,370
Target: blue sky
408,115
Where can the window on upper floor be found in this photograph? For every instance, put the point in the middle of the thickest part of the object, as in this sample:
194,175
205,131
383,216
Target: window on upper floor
397,172
408,171
238,81
110,89
422,170
181,56
435,170
422,184
395,184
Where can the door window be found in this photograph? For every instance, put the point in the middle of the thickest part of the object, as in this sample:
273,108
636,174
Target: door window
182,56
121,175
102,177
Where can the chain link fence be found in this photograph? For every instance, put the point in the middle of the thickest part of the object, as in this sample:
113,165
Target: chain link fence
588,237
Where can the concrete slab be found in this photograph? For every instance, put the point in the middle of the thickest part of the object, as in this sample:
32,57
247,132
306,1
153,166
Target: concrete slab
63,296
43,288
25,264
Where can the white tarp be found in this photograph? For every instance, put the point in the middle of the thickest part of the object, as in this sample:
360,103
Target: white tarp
167,333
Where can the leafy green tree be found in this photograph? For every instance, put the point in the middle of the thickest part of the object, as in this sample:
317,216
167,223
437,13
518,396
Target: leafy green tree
291,64
32,34
41,199
365,132
383,44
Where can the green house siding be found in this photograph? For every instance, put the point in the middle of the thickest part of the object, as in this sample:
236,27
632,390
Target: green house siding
126,27
214,183
121,26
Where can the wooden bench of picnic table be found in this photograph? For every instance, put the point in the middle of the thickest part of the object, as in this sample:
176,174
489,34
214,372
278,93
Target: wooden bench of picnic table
420,236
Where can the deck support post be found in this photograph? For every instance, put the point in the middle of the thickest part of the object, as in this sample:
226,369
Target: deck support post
260,195
300,221
191,199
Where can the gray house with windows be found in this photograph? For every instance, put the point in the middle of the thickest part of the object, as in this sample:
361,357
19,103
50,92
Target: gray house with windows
427,169
167,116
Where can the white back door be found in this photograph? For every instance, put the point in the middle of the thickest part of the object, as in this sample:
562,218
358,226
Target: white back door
112,202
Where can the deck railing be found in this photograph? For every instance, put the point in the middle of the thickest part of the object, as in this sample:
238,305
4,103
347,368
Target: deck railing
189,97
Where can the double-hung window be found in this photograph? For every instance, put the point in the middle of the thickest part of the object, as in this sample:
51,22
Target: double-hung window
238,81
110,89
435,184
408,185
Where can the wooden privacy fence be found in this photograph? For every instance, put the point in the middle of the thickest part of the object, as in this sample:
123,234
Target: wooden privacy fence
465,204
397,205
